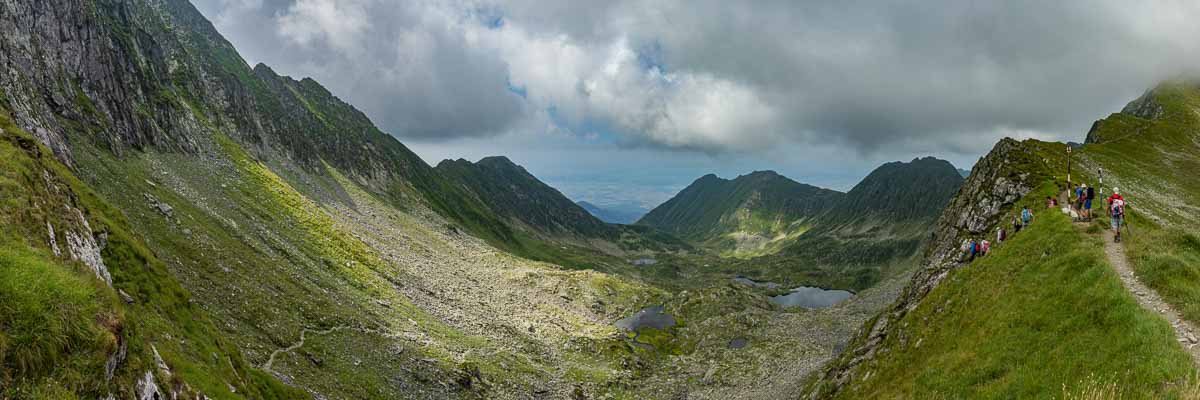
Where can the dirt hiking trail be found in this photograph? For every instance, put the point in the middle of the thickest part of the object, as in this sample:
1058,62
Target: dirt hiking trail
1185,333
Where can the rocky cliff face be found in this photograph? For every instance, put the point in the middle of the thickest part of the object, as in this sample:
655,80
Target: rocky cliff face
154,73
223,173
997,182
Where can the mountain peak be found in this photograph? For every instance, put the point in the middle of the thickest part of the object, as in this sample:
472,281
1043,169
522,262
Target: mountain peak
711,205
514,193
919,188
764,173
497,161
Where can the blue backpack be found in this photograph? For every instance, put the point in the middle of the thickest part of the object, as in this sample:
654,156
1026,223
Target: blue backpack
1026,215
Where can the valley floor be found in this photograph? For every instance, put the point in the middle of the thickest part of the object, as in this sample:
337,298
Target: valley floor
787,346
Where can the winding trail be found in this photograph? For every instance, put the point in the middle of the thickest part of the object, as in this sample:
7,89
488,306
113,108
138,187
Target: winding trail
1185,333
294,346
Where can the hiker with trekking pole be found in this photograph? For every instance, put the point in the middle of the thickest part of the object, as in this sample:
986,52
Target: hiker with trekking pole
1116,213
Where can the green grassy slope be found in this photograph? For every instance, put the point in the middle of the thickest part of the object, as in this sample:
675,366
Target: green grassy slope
269,263
761,203
59,324
1043,316
1154,159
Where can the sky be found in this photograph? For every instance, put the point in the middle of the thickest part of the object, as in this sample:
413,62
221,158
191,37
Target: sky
628,101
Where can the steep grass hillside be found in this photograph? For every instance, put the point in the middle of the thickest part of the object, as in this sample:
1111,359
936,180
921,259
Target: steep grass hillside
1151,152
321,248
1043,316
87,310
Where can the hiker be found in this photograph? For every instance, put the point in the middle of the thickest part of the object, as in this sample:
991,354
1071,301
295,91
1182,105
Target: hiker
1026,215
965,247
1001,234
1116,213
972,249
1016,225
1049,202
1089,194
1079,198
986,247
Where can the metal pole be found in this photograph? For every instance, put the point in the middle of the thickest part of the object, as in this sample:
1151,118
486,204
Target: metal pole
1068,169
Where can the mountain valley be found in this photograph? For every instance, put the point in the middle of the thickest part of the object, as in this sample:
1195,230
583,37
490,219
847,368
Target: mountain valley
180,224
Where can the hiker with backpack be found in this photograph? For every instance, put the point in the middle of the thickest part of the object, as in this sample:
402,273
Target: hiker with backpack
973,248
985,248
1089,194
1016,225
1026,215
1079,198
1001,234
1116,213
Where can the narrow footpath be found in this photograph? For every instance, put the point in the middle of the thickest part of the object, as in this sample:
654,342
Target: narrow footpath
1185,333
271,360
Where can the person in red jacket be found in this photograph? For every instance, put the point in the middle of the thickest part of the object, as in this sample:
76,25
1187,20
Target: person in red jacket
1116,212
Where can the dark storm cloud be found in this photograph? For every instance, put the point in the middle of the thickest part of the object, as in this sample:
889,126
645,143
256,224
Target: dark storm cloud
728,76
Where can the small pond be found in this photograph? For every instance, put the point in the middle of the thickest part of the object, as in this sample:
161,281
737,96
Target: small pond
649,317
750,282
811,297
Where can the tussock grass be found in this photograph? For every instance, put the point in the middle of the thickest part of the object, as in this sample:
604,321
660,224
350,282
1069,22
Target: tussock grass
1154,162
59,323
51,315
1027,321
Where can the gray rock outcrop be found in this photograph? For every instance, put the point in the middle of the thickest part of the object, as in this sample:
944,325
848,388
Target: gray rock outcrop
991,190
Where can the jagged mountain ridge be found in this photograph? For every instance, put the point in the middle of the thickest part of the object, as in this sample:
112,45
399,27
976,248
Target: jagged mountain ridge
180,74
289,217
898,198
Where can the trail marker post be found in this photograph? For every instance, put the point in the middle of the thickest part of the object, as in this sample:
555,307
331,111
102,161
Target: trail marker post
1068,167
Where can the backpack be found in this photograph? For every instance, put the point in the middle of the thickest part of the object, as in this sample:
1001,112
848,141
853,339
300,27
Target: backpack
1118,208
1091,194
1025,215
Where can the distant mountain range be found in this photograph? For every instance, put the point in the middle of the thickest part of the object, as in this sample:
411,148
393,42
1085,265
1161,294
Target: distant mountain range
614,214
763,212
